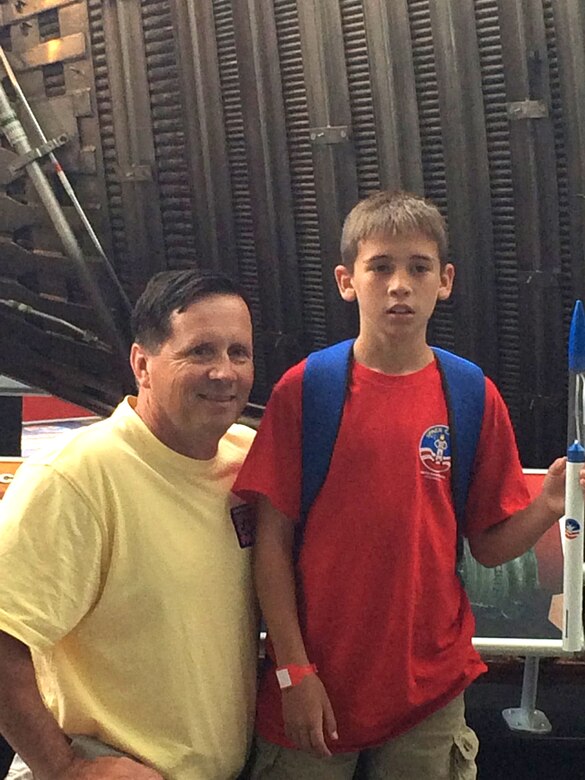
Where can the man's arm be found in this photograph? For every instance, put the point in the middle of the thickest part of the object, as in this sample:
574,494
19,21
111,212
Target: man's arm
308,716
33,732
512,537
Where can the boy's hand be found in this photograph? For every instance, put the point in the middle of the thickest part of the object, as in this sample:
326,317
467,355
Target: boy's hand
553,487
308,716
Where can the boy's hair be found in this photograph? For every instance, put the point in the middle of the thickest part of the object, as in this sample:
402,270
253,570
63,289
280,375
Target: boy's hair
174,291
392,214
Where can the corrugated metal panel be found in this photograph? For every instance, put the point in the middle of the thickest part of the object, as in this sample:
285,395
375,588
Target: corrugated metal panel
301,171
360,93
104,109
168,134
562,165
234,126
502,198
441,331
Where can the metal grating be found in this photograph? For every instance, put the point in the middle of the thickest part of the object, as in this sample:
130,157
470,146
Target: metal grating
301,171
106,123
441,331
558,120
238,164
360,96
54,79
168,134
502,199
49,27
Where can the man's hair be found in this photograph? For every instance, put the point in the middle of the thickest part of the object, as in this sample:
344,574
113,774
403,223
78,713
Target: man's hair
174,291
392,214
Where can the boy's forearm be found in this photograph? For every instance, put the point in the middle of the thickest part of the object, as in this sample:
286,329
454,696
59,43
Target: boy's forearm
513,536
24,720
275,584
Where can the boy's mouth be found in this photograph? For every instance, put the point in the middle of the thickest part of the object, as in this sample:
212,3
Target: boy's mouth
400,310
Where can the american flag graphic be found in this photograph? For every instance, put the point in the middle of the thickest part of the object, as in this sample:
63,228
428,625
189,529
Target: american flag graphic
572,528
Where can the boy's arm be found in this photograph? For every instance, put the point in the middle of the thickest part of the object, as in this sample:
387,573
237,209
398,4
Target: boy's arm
33,732
512,537
308,715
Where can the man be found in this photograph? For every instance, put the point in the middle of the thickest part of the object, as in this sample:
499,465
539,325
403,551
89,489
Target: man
125,580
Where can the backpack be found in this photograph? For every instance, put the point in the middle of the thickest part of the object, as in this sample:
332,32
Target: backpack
324,388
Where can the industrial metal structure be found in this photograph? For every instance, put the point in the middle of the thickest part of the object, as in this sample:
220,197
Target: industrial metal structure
236,134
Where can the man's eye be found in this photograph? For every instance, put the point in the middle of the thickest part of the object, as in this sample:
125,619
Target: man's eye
240,353
422,269
202,351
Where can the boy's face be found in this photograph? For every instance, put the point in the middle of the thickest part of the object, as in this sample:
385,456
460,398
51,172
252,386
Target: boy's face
397,281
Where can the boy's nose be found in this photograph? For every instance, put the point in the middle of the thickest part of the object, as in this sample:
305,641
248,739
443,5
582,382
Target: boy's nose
400,284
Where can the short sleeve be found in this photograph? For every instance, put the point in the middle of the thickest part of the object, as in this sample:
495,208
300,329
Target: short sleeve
51,547
273,465
498,487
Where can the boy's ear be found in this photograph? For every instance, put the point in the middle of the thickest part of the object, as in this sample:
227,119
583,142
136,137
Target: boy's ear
447,277
344,279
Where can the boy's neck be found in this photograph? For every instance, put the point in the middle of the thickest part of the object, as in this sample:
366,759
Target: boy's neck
392,357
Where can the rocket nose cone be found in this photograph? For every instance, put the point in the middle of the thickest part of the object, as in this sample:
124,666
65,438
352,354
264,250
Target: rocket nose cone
577,339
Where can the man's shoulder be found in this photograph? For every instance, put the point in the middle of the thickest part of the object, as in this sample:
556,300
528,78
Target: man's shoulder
87,445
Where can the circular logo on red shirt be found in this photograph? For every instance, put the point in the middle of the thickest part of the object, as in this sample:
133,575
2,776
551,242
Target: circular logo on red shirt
435,449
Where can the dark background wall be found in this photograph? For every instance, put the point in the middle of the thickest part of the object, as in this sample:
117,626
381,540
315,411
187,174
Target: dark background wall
237,134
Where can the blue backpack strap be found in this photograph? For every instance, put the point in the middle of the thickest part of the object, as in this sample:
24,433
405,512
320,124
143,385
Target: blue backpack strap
325,381
464,388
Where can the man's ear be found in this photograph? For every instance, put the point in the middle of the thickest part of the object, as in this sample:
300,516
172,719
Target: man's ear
139,363
447,277
344,279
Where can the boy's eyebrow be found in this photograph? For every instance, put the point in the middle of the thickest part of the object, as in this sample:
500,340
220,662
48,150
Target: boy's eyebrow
381,256
386,256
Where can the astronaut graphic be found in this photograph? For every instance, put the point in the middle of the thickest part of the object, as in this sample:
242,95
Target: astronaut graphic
435,450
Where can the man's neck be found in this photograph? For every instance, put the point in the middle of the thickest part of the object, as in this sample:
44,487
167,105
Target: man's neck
392,357
201,447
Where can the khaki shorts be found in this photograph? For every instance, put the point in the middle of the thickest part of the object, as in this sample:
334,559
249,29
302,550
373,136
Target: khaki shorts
86,747
442,747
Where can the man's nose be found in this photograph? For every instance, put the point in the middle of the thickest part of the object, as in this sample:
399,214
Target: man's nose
223,369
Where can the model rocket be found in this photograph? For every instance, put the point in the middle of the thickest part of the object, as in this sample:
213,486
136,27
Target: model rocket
574,508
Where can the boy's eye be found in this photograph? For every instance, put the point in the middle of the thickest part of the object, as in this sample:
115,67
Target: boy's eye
422,268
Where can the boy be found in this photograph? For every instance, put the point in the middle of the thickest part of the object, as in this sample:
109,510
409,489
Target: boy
371,623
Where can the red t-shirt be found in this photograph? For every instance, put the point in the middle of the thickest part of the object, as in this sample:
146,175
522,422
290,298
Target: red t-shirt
383,614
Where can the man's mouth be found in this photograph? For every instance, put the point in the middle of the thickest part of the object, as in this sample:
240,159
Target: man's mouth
217,399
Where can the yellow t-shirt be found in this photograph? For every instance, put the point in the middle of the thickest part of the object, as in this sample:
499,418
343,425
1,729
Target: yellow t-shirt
121,567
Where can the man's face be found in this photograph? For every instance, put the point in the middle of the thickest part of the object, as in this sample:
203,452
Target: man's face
198,382
397,281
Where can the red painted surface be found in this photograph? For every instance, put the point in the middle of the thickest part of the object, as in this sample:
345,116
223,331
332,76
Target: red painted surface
47,407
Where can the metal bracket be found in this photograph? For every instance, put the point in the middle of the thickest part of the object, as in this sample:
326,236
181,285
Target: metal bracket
331,134
134,173
527,109
39,151
526,717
